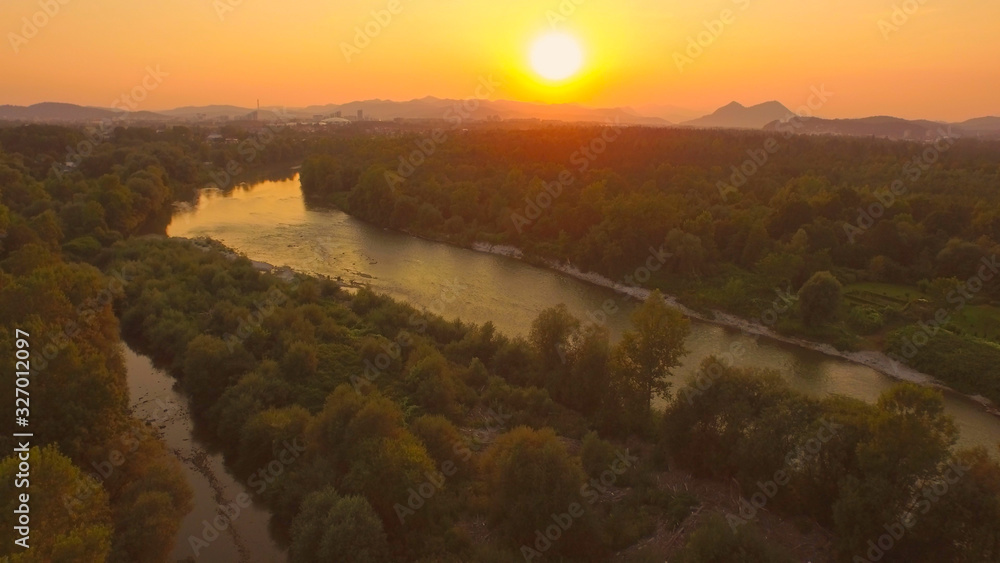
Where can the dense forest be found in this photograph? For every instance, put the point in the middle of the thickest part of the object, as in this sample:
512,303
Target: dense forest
103,486
424,439
904,234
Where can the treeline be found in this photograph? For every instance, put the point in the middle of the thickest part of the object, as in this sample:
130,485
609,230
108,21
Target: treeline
416,431
388,400
650,182
885,478
102,485
731,225
183,153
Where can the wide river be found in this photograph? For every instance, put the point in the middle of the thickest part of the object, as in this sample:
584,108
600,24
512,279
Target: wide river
270,222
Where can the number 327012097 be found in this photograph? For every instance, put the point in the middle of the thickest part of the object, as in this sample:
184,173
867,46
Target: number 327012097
22,356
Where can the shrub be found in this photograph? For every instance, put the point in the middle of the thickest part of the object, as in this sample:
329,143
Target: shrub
716,542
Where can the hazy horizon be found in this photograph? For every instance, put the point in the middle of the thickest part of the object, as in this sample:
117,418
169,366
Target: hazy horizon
878,58
640,110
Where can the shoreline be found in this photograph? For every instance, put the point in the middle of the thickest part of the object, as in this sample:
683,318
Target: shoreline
877,361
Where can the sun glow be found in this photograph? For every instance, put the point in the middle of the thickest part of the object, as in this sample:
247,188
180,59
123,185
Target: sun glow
556,56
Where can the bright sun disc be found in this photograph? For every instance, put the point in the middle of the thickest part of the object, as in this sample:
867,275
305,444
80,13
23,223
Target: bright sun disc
556,56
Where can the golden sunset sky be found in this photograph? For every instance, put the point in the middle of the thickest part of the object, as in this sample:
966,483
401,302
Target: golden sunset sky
939,62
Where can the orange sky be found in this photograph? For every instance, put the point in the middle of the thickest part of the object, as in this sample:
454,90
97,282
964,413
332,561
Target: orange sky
939,62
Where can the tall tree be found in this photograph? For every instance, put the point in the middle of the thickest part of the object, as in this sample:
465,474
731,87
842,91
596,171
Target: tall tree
820,298
646,356
532,479
334,528
590,381
552,334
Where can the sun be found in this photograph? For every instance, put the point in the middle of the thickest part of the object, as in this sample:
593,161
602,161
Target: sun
556,56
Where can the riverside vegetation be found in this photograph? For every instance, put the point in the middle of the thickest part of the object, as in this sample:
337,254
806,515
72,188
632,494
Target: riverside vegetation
908,231
434,440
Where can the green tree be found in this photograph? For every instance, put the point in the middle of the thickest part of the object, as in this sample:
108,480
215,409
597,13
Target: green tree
210,366
736,423
442,439
149,496
531,477
267,434
590,379
300,362
70,518
646,356
551,334
334,528
909,440
819,298
962,526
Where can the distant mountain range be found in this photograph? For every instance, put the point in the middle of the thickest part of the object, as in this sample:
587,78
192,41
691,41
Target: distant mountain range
52,111
673,114
981,125
438,108
892,127
766,116
424,108
737,116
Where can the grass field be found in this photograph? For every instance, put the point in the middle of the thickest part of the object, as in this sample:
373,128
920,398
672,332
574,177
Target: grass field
882,294
982,321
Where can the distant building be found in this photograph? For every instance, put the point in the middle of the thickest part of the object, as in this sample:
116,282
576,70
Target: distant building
361,115
338,114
